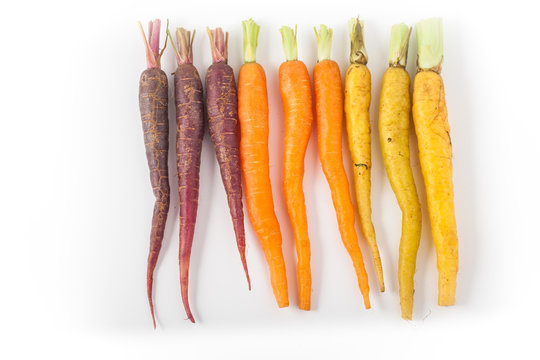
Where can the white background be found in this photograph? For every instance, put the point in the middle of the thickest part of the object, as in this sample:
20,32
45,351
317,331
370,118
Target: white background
76,200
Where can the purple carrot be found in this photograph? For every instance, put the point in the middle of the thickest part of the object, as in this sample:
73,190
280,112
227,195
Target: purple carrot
190,130
153,104
222,110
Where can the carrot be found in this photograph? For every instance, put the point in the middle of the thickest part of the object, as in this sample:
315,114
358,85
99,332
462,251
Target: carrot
329,109
254,158
394,120
295,88
153,104
435,150
357,100
189,135
222,111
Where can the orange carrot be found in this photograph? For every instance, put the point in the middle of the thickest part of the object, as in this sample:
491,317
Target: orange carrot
329,108
295,88
254,159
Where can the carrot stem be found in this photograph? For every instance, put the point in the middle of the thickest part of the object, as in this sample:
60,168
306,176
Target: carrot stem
153,54
429,36
358,49
324,42
290,48
218,43
184,51
399,45
250,30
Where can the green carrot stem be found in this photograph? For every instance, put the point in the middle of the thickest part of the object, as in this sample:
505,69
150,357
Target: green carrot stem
429,36
324,42
290,48
399,45
358,50
250,30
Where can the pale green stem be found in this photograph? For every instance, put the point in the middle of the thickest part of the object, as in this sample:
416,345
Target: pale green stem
429,36
399,45
251,33
289,43
324,42
358,49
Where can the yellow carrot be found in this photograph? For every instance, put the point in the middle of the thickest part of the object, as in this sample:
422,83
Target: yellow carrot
357,100
435,149
394,120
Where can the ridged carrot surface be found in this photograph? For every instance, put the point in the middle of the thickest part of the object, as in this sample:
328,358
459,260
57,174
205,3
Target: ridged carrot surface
153,104
253,115
329,110
435,149
357,102
222,111
394,126
295,89
189,135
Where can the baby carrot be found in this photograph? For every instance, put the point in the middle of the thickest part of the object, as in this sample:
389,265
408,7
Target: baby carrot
222,111
295,88
153,104
435,150
254,159
329,109
357,101
394,122
189,135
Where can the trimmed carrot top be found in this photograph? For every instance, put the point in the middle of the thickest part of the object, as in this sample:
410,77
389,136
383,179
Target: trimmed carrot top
184,40
358,50
289,43
218,43
153,54
399,45
430,44
250,30
324,42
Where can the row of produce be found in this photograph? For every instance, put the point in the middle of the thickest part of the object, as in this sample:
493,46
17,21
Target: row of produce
237,119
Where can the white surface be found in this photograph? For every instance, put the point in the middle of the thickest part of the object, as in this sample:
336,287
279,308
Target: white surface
76,199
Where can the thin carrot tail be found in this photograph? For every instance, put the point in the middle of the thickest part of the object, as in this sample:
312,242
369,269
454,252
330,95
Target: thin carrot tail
241,244
242,251
184,286
161,208
361,274
149,287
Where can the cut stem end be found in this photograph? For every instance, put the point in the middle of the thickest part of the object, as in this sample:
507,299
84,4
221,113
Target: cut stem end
218,44
290,48
429,36
324,42
250,30
151,44
399,45
358,49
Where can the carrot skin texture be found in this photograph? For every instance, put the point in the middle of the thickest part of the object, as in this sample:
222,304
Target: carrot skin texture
296,96
253,115
222,111
189,136
435,148
153,104
394,125
329,109
357,102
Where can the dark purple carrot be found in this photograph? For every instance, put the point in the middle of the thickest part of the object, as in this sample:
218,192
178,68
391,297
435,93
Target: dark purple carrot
190,130
222,110
153,103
